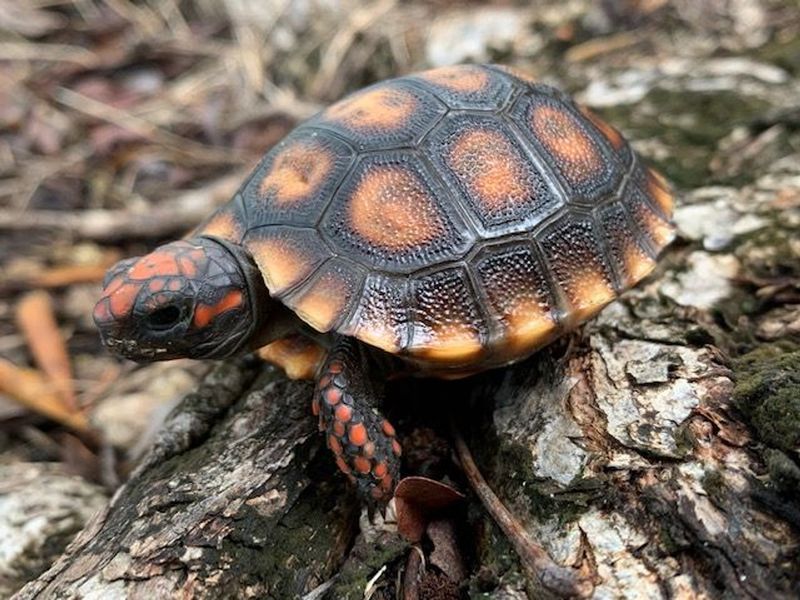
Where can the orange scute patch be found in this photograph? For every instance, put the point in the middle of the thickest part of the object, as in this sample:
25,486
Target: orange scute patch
561,135
609,132
323,302
122,300
637,263
297,355
528,325
282,263
490,168
297,172
223,225
451,345
205,313
155,263
358,434
592,292
458,78
391,208
380,108
658,188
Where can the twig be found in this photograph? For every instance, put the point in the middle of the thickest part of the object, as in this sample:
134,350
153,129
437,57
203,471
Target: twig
562,581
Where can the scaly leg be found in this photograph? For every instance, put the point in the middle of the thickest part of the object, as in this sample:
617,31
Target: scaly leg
363,441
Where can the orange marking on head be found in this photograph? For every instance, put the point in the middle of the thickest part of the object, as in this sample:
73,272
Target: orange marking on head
333,396
334,444
122,300
159,262
174,285
388,429
362,465
392,209
114,285
339,428
188,266
223,225
561,135
396,448
381,108
467,79
297,172
610,133
658,188
205,313
358,434
282,262
490,167
343,413
156,285
380,470
321,304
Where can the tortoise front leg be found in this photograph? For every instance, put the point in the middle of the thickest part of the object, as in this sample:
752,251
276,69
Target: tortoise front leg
346,400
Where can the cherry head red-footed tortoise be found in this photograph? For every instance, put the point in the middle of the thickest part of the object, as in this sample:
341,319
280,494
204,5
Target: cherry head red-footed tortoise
441,223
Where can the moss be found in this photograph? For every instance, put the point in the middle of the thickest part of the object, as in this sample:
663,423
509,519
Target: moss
713,483
784,53
690,125
784,473
768,393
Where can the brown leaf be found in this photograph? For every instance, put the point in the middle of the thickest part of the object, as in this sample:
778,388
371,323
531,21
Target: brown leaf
37,322
28,388
417,500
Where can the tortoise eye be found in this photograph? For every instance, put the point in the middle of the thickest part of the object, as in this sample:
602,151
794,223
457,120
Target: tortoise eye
164,318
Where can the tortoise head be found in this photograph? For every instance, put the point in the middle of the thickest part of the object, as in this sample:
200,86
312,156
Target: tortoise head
198,298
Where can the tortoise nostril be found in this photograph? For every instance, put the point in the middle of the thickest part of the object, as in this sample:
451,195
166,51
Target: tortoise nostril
164,318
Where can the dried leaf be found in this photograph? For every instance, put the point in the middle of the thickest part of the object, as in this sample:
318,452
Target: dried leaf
36,320
417,500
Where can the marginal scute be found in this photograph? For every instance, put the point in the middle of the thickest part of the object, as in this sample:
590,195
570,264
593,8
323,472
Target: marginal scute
659,191
660,231
447,326
518,297
382,316
328,297
631,257
609,132
574,255
224,223
284,255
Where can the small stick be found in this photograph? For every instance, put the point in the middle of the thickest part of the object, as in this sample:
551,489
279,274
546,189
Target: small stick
562,581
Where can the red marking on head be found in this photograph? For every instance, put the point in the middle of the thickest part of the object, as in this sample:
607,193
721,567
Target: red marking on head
333,396
362,465
358,434
156,285
205,313
339,428
396,448
343,413
380,470
114,285
174,285
159,262
334,445
387,428
315,407
101,313
122,300
188,266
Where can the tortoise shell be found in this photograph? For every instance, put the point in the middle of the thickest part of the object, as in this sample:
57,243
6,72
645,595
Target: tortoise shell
459,216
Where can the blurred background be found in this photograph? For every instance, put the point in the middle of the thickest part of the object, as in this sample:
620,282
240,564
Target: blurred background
122,124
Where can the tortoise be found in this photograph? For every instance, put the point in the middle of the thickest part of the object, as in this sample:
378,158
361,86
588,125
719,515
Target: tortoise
437,224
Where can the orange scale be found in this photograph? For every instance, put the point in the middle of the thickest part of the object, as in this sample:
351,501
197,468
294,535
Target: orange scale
343,466
358,434
398,451
343,413
188,266
334,445
380,470
339,429
362,465
388,429
122,300
332,396
368,450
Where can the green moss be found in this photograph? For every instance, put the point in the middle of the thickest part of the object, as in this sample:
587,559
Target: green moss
768,393
690,125
713,483
784,53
